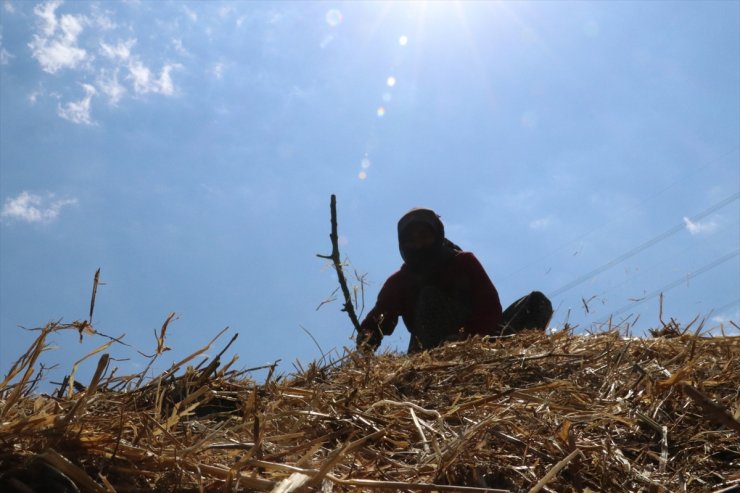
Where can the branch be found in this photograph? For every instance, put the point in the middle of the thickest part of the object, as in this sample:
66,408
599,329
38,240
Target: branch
335,259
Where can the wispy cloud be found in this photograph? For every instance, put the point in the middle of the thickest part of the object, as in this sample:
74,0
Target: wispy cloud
729,321
5,55
33,97
540,224
179,48
110,86
101,19
225,11
55,45
9,7
696,228
144,82
78,111
32,208
120,51
190,13
217,70
103,56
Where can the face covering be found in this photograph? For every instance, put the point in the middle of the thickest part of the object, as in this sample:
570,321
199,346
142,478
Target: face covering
424,262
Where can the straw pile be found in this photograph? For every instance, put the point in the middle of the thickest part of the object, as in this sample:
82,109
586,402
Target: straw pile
533,412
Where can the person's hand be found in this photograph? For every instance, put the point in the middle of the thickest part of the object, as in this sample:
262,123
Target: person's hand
368,341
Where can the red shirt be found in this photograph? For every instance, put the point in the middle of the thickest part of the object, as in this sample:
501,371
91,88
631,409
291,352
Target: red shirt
463,276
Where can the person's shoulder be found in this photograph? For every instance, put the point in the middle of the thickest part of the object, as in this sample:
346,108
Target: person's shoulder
400,276
396,284
467,260
465,257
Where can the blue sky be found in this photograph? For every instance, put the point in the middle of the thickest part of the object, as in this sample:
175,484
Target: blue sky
189,150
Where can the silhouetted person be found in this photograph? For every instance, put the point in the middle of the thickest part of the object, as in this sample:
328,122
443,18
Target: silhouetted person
442,293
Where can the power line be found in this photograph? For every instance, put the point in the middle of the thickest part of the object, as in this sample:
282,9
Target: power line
727,305
705,268
631,253
652,196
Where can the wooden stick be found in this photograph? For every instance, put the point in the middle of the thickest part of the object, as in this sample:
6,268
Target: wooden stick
334,257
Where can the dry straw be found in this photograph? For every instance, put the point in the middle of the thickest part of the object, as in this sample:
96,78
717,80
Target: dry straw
528,413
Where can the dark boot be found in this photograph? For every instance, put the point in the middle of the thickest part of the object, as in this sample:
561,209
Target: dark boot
532,311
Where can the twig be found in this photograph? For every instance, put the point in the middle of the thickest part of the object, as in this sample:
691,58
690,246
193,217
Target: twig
554,471
430,412
62,464
94,292
424,441
713,411
337,455
334,257
82,401
399,485
323,355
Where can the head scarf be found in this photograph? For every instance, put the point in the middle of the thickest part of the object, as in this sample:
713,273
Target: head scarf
424,262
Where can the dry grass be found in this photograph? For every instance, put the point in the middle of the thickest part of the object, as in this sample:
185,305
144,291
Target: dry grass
521,414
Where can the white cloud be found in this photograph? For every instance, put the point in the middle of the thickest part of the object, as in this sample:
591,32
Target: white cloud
108,84
721,319
120,51
696,228
9,7
100,54
177,44
190,13
5,55
540,224
144,82
33,208
225,11
55,47
48,16
724,319
102,19
218,70
34,96
78,111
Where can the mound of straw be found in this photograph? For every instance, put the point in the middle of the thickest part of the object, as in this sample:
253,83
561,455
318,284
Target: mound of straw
528,413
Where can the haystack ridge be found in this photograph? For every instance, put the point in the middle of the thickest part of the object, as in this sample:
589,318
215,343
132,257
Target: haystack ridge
528,413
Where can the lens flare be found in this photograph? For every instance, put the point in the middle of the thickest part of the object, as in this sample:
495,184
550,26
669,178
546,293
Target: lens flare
365,163
362,175
403,40
391,81
334,17
381,112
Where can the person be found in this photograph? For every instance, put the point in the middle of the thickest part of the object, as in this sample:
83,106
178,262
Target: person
443,293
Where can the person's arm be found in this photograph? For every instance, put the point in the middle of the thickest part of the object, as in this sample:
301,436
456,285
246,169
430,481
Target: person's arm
486,310
383,318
